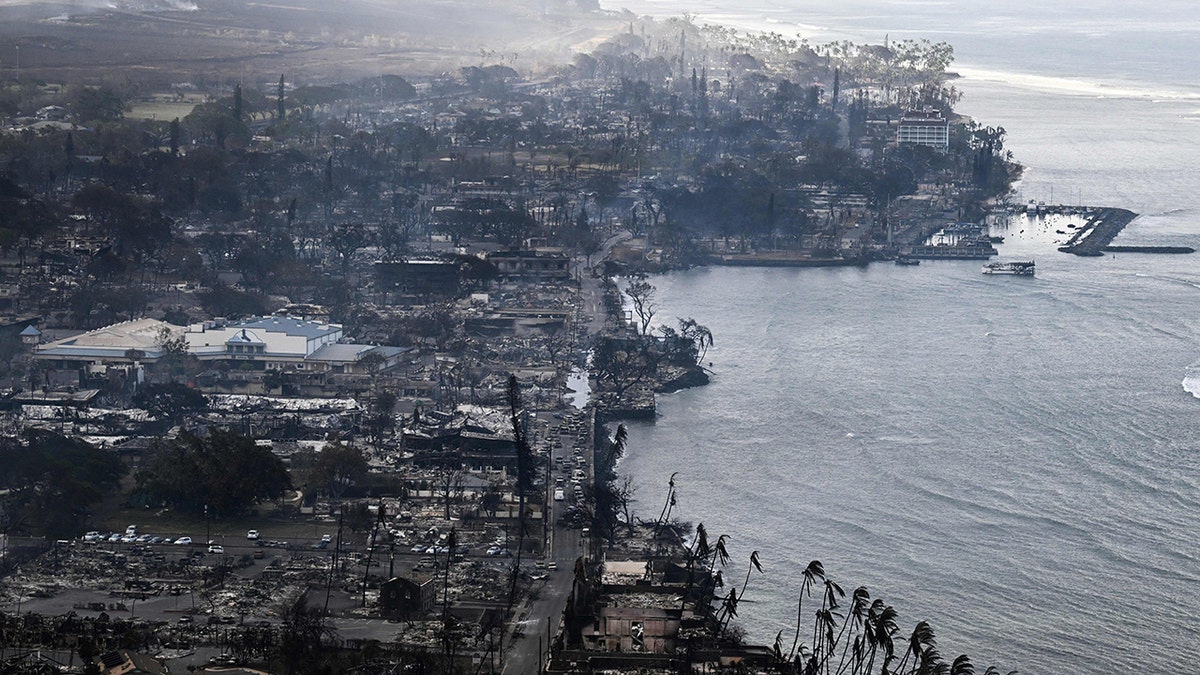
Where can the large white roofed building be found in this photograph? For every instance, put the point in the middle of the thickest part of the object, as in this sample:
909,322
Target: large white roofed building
257,344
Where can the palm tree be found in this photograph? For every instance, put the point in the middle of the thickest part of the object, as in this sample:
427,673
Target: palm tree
962,666
880,630
814,571
920,643
855,622
734,596
524,479
697,551
823,638
670,502
719,553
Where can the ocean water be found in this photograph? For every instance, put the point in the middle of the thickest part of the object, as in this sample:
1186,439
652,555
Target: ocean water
1015,460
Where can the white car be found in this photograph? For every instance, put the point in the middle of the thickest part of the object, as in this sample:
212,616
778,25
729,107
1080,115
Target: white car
252,534
216,549
183,540
93,536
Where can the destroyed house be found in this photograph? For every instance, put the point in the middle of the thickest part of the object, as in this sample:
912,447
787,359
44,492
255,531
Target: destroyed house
646,630
419,277
537,265
440,433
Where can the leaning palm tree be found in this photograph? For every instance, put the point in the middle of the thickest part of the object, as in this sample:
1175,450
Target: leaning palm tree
824,641
855,623
720,553
920,642
754,565
880,631
962,666
735,596
814,571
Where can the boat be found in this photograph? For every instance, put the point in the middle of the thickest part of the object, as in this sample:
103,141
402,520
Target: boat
907,261
1021,268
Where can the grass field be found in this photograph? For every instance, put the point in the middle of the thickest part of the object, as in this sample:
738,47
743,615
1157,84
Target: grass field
163,107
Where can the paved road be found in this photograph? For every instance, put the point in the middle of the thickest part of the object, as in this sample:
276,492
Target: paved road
538,619
591,290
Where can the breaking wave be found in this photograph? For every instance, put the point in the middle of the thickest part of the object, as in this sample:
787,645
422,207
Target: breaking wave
1191,380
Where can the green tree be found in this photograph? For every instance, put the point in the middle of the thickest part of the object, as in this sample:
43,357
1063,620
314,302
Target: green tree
339,468
49,481
224,470
96,104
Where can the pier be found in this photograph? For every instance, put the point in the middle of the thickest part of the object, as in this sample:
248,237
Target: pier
1098,232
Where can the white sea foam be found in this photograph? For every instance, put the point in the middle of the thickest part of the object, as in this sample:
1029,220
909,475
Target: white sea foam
1076,86
1191,380
1191,385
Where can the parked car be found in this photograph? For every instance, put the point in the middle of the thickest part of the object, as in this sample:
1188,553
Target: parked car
183,540
216,549
252,535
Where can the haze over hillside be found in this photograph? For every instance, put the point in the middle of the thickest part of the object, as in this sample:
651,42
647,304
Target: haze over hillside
160,41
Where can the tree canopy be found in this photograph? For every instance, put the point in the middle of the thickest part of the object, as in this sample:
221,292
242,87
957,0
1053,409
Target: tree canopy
49,481
224,470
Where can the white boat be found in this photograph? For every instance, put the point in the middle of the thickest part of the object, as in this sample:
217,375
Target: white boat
1021,268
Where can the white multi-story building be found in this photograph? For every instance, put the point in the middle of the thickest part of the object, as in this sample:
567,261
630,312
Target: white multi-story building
924,127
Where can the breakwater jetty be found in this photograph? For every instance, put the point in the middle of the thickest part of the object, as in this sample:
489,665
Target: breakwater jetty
1099,231
1149,249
